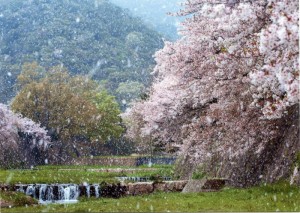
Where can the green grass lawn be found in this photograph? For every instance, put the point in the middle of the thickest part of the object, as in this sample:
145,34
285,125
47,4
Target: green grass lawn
53,176
76,174
276,197
47,167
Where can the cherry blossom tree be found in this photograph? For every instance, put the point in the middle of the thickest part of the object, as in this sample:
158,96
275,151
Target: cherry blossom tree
206,83
18,137
277,81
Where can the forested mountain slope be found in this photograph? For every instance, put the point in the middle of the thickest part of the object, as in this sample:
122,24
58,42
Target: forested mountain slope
155,13
89,37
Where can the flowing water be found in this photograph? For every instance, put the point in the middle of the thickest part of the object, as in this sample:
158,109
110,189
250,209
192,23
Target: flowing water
59,193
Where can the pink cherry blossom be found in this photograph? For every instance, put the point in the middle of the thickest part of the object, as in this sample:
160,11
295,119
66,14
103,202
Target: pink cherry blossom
217,89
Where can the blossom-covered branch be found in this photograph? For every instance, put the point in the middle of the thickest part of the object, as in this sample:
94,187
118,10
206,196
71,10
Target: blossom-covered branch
12,128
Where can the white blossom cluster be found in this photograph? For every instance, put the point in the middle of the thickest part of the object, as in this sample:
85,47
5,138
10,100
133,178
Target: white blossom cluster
12,124
277,81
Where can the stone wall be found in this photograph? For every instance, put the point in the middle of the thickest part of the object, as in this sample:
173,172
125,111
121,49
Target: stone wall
150,187
109,190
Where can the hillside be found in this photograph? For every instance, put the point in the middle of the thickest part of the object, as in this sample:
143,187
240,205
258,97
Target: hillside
154,13
89,37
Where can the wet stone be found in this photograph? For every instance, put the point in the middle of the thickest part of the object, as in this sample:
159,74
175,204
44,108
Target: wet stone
55,192
204,185
159,187
140,188
113,190
5,187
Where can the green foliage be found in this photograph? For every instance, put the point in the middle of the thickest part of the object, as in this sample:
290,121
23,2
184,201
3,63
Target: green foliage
156,178
134,39
86,36
297,160
70,106
199,173
130,90
110,121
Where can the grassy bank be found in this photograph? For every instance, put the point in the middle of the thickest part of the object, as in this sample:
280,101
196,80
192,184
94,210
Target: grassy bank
76,174
9,199
278,197
52,176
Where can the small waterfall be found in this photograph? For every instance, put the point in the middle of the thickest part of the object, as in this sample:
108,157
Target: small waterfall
42,191
122,179
49,193
88,190
97,190
59,193
150,163
21,189
74,192
46,194
68,192
30,191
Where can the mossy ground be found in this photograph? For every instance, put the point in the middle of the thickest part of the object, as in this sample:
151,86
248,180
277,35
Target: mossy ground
270,198
16,199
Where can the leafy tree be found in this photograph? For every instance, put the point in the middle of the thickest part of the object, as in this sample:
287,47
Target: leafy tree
202,97
30,72
109,123
67,106
129,91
